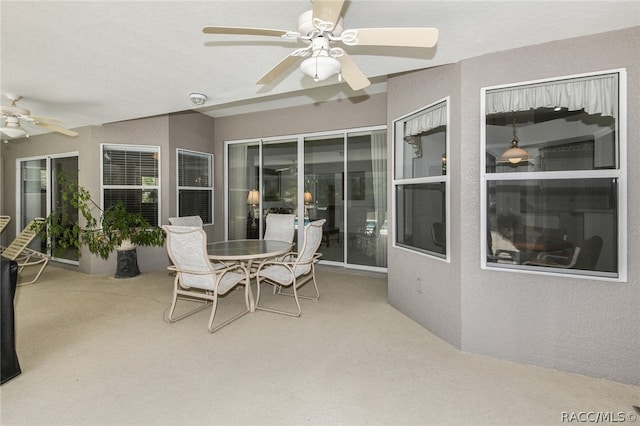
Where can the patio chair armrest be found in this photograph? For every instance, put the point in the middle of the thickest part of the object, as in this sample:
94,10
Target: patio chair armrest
223,270
279,260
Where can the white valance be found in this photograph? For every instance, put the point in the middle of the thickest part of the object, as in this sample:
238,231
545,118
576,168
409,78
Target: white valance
595,94
430,119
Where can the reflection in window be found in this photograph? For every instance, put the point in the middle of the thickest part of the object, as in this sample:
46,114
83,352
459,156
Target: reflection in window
421,221
554,223
131,174
421,180
564,214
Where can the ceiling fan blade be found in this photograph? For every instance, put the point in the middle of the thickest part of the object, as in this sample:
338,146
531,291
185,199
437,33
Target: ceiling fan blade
45,120
327,10
278,69
352,73
57,129
401,37
244,31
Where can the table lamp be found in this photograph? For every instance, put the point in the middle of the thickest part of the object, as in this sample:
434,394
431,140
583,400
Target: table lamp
253,198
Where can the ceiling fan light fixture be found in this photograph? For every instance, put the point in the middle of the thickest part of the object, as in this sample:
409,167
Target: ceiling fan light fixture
320,67
12,129
14,132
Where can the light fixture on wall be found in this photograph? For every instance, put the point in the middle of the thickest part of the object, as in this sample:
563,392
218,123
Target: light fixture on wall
254,199
515,155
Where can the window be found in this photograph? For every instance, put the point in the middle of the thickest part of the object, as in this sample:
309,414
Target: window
195,184
421,183
554,197
131,174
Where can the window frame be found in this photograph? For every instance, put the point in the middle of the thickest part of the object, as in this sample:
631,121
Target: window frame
133,148
445,179
209,188
619,173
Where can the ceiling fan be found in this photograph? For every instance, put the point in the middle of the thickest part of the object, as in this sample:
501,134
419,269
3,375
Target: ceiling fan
13,114
321,28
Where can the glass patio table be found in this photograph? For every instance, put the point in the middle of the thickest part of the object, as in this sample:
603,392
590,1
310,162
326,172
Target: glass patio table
246,252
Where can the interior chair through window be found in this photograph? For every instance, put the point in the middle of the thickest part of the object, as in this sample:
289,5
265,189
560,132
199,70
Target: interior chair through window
280,227
584,256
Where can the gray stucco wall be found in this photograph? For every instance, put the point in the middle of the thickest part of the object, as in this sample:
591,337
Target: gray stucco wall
189,130
425,288
579,325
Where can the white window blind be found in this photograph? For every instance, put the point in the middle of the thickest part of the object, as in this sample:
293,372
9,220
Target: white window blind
131,174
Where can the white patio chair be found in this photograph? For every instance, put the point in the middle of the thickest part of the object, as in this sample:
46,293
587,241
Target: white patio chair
280,227
196,277
186,221
295,269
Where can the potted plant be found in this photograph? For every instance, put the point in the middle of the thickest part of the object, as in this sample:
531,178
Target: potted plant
105,230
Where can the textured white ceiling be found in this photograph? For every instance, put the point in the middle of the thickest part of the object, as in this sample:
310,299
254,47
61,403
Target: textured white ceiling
96,62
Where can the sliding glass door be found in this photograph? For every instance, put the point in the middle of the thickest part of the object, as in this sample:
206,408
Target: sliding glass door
39,192
324,185
339,177
279,173
366,199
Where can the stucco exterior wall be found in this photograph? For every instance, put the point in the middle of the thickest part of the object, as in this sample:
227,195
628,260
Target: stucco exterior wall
579,325
189,130
426,288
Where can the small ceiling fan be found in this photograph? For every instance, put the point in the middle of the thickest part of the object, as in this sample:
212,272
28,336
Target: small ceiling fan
13,114
321,28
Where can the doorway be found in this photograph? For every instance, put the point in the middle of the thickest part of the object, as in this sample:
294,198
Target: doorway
338,176
39,192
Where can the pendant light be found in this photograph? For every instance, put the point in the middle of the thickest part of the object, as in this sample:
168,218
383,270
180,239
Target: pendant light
515,155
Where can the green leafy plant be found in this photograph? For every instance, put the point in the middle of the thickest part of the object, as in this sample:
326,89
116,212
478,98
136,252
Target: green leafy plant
104,231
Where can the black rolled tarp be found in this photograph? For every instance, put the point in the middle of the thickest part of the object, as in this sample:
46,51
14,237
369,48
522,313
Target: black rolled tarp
9,357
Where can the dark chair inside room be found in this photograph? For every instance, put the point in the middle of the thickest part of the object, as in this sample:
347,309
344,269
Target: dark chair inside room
329,229
589,253
583,256
439,234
